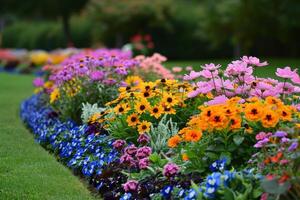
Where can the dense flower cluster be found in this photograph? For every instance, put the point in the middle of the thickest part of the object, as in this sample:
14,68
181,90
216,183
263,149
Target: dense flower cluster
213,135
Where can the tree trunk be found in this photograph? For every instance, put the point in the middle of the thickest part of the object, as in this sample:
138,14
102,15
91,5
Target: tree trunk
66,29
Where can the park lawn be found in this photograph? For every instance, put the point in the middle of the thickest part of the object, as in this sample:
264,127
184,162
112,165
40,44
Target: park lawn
27,171
261,72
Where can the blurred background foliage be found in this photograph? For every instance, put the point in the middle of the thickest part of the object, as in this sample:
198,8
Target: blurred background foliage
189,29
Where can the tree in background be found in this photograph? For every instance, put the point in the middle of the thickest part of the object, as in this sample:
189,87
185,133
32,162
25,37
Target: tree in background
122,19
53,9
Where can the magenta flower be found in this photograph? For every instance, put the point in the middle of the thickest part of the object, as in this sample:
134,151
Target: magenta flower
253,61
131,185
38,82
209,74
131,150
143,152
211,67
119,144
170,169
127,160
143,139
144,163
286,72
261,143
97,75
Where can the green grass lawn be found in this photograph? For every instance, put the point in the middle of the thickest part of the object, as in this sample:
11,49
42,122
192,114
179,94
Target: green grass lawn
27,171
263,71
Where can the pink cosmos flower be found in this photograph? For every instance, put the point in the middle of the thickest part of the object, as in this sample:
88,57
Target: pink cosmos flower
209,74
193,75
217,100
170,169
286,72
131,185
177,69
211,67
296,79
238,68
188,68
285,88
253,61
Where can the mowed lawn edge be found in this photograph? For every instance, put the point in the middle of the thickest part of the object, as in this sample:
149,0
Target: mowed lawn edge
27,171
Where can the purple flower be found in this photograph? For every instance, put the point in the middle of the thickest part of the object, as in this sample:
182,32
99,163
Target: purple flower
286,72
143,139
170,169
284,140
127,159
280,134
131,185
293,146
209,74
261,143
144,163
119,144
296,79
97,75
38,82
131,150
143,152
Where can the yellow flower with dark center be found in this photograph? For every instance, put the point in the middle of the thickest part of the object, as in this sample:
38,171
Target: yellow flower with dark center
253,111
156,111
121,108
144,127
169,100
54,95
207,112
248,129
133,120
142,106
170,111
230,110
133,81
174,141
48,84
269,118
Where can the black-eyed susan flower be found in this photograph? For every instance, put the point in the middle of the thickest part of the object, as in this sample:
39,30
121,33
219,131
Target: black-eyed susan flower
235,122
156,111
122,108
142,105
144,127
218,120
133,120
169,100
285,113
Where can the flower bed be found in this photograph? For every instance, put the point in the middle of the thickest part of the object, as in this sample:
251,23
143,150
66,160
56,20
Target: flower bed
212,135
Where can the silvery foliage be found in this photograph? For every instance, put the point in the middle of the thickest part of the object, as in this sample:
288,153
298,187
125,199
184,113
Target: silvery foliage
88,110
161,133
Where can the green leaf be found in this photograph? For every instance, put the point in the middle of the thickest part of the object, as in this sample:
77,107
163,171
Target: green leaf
272,186
154,158
238,139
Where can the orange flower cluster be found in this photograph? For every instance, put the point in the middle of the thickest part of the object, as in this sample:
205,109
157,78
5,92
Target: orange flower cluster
231,115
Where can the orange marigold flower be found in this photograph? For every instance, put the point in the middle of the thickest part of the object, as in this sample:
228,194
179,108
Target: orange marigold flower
174,141
235,122
185,157
193,135
218,120
269,118
253,111
285,113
